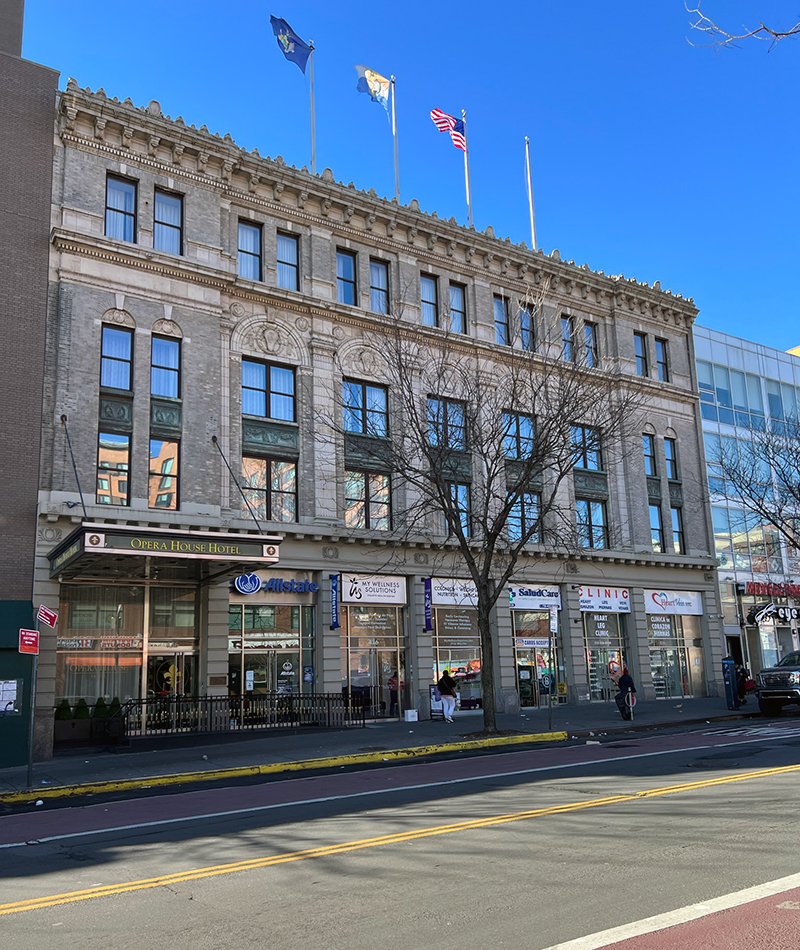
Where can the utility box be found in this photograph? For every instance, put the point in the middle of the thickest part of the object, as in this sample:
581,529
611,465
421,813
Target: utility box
411,715
731,687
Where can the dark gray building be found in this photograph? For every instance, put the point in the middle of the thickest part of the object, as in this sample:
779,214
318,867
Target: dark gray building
27,100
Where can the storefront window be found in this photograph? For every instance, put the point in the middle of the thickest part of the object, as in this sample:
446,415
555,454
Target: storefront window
373,659
539,672
103,646
606,652
270,649
457,647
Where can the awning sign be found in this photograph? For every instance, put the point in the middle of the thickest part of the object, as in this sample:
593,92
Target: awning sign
612,600
453,592
684,602
373,589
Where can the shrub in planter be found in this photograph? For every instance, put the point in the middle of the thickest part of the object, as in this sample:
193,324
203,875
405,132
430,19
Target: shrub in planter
74,726
81,710
63,711
115,708
100,710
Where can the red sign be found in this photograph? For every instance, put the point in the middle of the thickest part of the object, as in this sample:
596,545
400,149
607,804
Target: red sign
773,590
29,641
50,617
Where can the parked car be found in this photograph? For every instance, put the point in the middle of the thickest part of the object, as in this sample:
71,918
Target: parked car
778,686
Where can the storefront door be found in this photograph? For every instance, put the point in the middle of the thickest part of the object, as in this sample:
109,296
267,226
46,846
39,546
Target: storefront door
374,659
171,674
264,650
605,654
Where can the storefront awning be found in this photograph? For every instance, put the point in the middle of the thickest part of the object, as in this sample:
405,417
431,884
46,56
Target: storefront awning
108,551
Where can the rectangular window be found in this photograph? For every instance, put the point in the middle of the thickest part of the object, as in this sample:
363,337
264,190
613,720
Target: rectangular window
527,336
345,277
116,360
250,251
168,223
288,261
165,363
367,500
163,475
656,529
523,519
518,437
649,447
662,360
458,308
113,465
591,523
678,542
671,459
459,499
640,347
586,448
379,286
268,391
365,408
270,487
429,296
567,339
502,334
590,345
447,423
121,209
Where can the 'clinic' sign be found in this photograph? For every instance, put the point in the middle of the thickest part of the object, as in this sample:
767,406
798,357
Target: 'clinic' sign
612,600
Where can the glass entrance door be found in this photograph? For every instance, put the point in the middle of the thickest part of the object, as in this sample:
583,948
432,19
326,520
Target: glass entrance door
171,674
605,653
374,660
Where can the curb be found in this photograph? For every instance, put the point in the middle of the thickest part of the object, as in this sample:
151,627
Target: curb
183,778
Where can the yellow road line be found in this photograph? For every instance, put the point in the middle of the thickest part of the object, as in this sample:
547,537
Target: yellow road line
194,874
327,762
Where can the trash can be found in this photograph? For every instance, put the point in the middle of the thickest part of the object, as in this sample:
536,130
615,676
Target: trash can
731,688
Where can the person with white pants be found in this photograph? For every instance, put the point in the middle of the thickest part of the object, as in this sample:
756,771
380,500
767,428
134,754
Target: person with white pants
447,690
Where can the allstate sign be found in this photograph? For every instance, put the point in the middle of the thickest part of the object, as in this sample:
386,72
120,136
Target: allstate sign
248,584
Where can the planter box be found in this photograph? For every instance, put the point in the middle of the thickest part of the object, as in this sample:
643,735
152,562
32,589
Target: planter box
72,730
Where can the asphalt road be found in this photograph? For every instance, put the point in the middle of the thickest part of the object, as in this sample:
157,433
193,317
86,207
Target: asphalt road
525,849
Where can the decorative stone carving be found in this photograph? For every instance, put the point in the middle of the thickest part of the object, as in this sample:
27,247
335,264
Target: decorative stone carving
237,309
420,557
227,170
451,248
277,191
127,137
571,568
177,153
167,328
391,227
369,223
120,317
272,340
338,333
325,207
202,162
330,552
504,265
412,235
152,145
99,128
591,484
469,253
653,490
302,324
49,535
431,240
252,183
302,198
348,213
165,415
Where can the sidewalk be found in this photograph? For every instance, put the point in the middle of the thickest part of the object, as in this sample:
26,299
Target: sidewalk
94,772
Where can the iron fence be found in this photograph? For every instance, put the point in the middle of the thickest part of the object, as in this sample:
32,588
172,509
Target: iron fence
174,715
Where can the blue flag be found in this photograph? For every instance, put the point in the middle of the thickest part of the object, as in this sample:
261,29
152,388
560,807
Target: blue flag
290,44
374,85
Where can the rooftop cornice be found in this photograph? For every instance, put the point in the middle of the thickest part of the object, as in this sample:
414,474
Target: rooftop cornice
145,133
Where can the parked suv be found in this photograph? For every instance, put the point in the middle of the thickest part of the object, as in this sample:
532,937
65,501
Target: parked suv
779,685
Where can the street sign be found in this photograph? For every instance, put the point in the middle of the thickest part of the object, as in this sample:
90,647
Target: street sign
50,617
29,641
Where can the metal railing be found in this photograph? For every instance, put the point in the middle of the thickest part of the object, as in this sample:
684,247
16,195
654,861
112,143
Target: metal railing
174,715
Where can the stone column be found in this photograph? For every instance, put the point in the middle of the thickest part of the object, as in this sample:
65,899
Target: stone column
639,646
573,645
214,638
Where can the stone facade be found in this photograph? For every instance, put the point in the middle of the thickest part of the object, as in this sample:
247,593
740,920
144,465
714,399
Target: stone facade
198,298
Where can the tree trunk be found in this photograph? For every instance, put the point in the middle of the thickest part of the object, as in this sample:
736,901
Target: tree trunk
487,665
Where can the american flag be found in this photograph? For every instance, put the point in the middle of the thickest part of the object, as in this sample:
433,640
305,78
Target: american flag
449,123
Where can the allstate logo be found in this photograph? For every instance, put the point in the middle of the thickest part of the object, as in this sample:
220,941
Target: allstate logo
248,583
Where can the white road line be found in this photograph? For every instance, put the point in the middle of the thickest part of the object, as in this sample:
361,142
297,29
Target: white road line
364,794
680,916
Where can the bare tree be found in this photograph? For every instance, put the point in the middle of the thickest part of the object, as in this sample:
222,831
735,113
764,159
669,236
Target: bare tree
483,444
763,473
721,38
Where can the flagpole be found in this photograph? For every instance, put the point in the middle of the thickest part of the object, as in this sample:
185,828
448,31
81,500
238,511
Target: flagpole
313,124
394,135
466,166
530,192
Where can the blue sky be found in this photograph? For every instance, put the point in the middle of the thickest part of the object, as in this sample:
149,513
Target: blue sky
651,158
